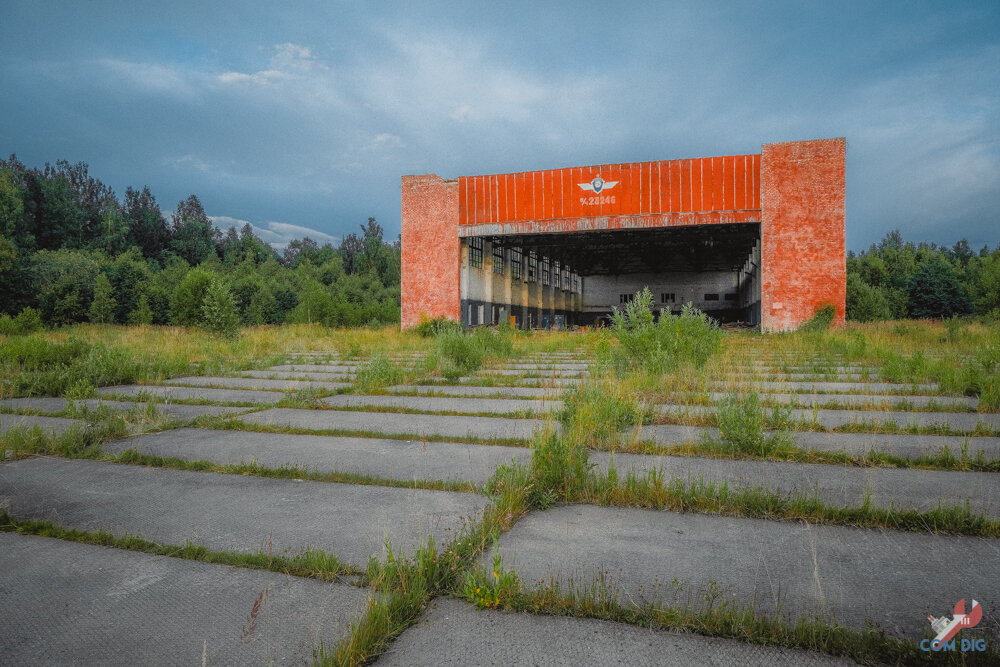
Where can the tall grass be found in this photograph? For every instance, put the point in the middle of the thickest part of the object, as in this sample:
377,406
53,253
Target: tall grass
662,346
463,352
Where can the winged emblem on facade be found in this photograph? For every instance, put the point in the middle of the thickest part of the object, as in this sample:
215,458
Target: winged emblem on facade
597,185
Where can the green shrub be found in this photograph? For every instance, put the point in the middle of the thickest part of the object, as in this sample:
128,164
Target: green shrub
429,328
821,320
219,311
463,353
559,469
378,373
597,412
743,422
691,337
32,353
27,321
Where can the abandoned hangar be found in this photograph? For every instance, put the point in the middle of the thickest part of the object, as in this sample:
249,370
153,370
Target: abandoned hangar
754,238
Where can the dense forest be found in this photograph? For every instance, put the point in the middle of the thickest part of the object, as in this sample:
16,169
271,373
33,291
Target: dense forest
894,279
71,251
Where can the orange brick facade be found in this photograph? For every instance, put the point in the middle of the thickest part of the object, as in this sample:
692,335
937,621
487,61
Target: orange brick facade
803,253
794,191
431,249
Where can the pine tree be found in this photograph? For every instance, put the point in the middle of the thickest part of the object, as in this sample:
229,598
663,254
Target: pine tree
102,308
219,311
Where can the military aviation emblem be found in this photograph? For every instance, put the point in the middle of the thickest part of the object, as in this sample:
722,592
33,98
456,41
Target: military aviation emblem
597,185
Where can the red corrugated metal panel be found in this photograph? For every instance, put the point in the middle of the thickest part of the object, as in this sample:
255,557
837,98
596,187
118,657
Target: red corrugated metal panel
730,183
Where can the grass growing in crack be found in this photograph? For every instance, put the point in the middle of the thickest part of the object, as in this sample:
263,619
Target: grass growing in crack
705,612
461,352
82,440
378,373
674,340
743,424
599,412
312,563
304,398
402,586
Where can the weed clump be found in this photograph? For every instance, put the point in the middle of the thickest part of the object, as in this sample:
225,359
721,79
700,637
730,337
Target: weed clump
661,346
743,423
26,322
463,353
429,328
598,411
40,367
377,374
821,319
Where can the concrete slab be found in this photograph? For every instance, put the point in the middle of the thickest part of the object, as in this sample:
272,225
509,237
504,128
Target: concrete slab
840,387
322,368
255,383
397,424
231,512
199,393
549,366
390,459
47,424
956,421
841,486
778,376
470,390
439,404
453,632
884,401
858,444
785,569
549,381
176,410
534,373
301,376
69,603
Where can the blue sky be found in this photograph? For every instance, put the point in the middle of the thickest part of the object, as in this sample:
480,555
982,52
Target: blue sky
302,119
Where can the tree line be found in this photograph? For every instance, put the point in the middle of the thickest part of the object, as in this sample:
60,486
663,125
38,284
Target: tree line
71,251
894,279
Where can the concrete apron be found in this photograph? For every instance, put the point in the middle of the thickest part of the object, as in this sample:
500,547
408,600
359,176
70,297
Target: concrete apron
232,512
453,632
83,604
400,460
784,569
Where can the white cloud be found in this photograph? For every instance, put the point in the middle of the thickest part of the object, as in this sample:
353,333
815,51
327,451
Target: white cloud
289,61
275,234
151,77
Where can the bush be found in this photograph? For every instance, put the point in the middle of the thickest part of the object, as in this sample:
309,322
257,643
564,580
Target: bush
186,306
691,337
219,311
429,328
462,353
934,291
26,322
40,367
866,303
377,374
597,412
742,423
559,469
821,320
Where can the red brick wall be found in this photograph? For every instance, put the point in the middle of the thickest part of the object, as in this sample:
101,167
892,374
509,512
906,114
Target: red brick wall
431,249
803,264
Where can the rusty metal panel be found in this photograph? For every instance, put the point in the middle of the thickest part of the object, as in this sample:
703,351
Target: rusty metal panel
740,196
